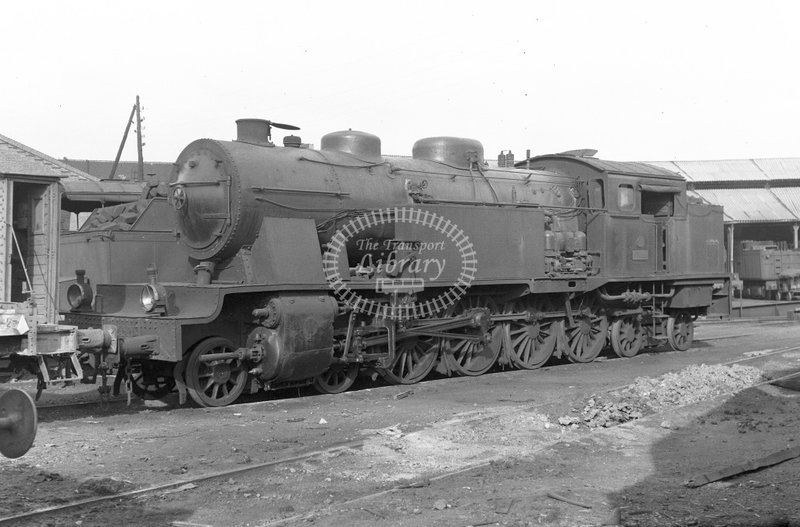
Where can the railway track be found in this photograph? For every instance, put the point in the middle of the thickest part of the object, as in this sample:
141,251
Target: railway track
54,511
123,402
164,486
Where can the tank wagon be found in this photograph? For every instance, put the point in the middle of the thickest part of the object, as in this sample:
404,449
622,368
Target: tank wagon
289,266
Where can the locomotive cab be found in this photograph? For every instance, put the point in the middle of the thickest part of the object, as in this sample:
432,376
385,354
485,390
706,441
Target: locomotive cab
642,223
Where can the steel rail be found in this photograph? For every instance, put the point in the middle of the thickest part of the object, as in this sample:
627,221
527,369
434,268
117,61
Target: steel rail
203,477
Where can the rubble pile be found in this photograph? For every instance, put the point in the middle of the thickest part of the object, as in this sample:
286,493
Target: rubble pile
647,395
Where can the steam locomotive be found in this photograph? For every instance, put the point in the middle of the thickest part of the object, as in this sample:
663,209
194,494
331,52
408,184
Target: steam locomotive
268,267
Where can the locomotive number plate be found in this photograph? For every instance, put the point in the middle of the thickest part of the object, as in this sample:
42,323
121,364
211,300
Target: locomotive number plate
641,254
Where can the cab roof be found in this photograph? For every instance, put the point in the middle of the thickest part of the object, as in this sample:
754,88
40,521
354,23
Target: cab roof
627,168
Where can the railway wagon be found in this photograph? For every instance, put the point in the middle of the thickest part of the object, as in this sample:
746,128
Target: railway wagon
768,270
288,266
32,339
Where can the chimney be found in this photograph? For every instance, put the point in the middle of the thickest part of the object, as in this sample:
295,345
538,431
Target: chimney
254,131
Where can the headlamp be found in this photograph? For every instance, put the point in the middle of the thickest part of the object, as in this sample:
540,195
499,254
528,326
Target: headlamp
153,294
80,294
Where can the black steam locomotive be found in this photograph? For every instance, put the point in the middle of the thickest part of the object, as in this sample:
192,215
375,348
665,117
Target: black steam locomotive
269,267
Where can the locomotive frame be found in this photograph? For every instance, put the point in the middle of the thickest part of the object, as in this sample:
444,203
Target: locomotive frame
572,252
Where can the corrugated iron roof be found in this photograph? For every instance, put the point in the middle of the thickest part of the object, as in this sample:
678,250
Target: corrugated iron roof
782,168
789,197
16,158
735,169
749,205
724,170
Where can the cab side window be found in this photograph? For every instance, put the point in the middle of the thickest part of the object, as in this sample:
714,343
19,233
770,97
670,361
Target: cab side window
658,203
597,198
626,198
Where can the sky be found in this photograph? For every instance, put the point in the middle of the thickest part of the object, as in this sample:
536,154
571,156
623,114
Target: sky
634,80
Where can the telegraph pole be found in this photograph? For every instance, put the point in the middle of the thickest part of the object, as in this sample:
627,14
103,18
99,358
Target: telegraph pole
122,144
140,171
137,112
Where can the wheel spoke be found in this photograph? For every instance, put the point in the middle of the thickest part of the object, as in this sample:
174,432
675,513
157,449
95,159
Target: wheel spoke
527,346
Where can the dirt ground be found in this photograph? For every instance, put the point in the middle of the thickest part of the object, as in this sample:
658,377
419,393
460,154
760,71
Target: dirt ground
608,443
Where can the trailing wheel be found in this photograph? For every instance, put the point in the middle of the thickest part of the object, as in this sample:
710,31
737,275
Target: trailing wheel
414,359
336,379
468,356
680,331
588,336
217,382
627,336
530,344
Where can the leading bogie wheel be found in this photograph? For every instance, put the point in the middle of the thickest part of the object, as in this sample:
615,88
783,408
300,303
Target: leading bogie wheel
680,331
148,382
217,382
627,336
